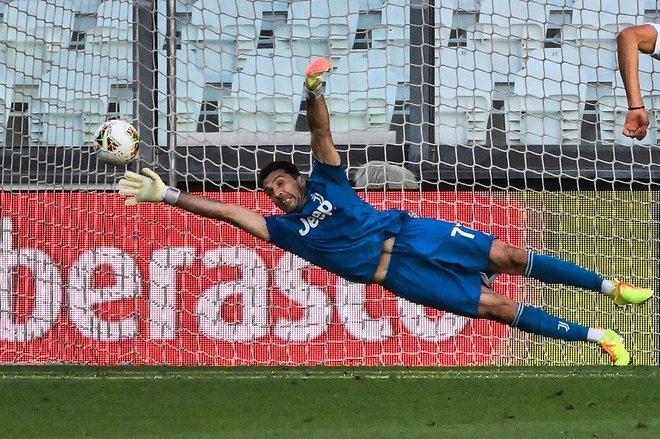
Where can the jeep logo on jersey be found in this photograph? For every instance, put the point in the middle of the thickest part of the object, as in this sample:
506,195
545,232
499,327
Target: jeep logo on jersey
324,209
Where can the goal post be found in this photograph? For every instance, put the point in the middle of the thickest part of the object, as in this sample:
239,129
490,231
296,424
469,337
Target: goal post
504,116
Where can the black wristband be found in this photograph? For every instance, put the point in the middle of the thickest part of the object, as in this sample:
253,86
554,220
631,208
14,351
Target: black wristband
641,107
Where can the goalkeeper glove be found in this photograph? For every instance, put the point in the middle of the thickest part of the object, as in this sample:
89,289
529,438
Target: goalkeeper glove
148,187
314,77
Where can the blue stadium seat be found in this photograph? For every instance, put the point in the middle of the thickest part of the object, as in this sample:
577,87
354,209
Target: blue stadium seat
600,13
598,45
81,6
594,26
30,33
266,94
362,92
112,38
463,96
32,30
462,120
543,120
394,36
318,28
72,99
190,84
505,13
6,95
547,104
444,18
507,32
3,118
226,35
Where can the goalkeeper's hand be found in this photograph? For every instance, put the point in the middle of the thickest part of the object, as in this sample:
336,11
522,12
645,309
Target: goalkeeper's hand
148,187
314,74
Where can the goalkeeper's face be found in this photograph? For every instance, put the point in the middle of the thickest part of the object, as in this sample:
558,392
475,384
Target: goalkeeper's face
288,193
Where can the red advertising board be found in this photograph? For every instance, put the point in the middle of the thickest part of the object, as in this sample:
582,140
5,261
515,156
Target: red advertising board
84,279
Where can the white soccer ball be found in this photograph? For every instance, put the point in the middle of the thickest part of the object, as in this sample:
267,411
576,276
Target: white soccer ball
116,142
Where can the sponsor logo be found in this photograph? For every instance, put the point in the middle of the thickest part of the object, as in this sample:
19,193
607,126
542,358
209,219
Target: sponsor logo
323,210
71,292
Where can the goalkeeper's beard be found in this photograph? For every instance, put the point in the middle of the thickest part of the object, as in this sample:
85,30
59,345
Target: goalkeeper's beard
290,203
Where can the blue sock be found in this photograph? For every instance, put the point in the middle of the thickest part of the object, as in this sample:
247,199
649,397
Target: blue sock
557,271
537,321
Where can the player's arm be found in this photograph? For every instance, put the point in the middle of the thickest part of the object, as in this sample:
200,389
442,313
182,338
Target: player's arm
150,188
630,42
318,118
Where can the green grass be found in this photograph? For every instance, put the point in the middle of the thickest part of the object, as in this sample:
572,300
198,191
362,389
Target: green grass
257,402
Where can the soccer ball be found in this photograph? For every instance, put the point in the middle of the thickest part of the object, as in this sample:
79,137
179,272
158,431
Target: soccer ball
116,142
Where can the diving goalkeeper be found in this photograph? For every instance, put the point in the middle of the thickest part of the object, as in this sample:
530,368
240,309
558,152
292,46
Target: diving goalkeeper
427,261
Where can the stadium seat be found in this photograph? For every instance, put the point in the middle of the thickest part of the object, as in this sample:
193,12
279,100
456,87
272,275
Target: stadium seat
81,6
536,112
394,36
226,35
593,28
7,84
460,73
600,13
463,96
112,38
266,94
72,100
595,44
6,95
362,92
31,31
318,28
507,48
554,71
505,13
462,120
49,22
507,32
444,18
4,114
189,88
543,120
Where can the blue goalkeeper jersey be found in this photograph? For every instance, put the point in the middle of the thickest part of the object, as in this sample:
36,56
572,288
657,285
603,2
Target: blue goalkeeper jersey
336,230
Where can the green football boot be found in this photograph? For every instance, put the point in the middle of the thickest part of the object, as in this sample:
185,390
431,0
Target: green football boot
612,344
626,294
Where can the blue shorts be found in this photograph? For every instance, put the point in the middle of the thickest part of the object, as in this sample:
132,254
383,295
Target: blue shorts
437,263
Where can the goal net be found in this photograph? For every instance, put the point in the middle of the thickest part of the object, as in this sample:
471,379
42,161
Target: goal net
502,115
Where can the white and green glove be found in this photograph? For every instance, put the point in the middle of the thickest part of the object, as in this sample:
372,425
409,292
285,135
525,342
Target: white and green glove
146,188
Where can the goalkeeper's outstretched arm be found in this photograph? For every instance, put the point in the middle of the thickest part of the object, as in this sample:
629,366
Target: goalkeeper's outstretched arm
150,188
318,117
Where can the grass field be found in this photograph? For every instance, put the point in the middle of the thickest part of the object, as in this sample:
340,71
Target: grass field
322,402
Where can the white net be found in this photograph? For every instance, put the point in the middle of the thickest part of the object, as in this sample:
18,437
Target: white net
504,115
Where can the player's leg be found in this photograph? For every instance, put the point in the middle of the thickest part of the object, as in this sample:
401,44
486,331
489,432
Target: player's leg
506,258
534,320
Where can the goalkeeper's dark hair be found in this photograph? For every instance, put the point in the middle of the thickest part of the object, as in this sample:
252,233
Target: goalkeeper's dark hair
288,167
